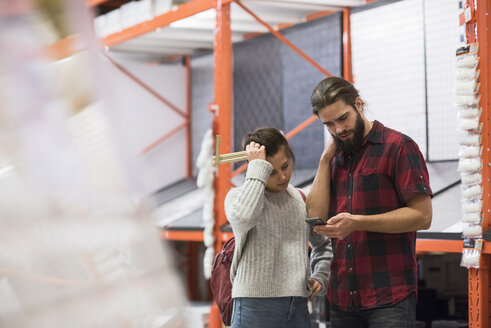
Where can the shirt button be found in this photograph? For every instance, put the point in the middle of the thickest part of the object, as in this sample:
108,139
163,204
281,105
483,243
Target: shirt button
350,174
349,245
354,292
351,293
350,269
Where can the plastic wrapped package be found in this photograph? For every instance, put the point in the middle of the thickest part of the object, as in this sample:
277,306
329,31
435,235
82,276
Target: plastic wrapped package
128,16
469,165
470,112
475,218
466,151
466,88
472,205
471,179
474,191
467,100
470,138
471,253
470,230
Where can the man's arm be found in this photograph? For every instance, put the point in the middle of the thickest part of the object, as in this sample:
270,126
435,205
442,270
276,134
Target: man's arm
415,216
318,198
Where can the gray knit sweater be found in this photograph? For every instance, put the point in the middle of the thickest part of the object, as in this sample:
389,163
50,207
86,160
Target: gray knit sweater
271,240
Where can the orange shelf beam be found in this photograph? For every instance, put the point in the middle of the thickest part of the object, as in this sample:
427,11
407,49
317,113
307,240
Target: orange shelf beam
93,3
445,246
64,48
437,245
296,130
183,11
182,235
319,14
164,137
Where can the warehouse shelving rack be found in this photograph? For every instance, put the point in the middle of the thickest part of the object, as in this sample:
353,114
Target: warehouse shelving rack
477,29
478,24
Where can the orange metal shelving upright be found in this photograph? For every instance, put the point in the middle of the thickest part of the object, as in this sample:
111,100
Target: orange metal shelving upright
477,29
222,123
222,108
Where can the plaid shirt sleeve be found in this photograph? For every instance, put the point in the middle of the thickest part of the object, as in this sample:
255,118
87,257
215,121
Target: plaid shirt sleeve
411,174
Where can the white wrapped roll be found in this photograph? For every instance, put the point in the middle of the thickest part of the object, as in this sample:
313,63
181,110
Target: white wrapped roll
469,165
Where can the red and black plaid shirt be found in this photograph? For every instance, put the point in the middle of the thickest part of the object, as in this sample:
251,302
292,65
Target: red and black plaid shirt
372,269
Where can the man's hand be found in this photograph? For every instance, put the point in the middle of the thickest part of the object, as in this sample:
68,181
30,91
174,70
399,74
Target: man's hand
255,151
315,286
338,226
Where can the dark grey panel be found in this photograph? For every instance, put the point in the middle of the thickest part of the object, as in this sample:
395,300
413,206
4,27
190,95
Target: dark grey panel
173,191
257,86
201,96
191,222
303,177
321,39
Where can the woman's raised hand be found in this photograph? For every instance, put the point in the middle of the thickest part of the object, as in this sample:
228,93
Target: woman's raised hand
255,151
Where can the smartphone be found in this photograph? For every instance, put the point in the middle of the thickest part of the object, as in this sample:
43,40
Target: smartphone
315,221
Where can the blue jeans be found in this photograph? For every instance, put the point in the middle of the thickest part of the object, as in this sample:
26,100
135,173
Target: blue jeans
400,315
270,312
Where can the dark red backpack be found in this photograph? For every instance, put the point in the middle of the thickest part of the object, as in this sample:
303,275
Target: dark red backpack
221,286
220,283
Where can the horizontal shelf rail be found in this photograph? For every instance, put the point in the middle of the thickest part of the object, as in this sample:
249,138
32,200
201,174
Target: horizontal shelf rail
183,11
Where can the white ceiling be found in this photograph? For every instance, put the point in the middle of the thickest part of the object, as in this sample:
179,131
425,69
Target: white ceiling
195,33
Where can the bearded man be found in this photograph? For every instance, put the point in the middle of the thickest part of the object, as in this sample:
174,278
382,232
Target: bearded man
372,189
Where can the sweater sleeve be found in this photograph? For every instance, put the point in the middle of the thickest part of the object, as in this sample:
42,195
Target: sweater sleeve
320,259
243,204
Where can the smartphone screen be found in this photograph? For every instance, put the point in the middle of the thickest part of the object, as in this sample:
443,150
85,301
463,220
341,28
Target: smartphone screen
315,221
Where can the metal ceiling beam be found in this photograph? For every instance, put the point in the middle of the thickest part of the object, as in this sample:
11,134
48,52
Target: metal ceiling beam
186,34
270,14
243,27
312,7
336,3
153,50
161,42
183,11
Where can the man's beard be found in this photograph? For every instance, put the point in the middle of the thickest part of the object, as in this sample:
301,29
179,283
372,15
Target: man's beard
351,145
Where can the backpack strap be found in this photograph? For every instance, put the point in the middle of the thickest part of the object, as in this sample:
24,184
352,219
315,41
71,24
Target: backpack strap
302,194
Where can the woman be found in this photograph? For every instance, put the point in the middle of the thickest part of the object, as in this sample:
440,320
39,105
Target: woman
270,270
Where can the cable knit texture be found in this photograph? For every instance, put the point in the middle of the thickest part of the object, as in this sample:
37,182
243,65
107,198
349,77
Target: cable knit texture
271,240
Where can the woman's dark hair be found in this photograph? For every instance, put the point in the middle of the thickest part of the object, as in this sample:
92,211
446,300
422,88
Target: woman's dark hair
270,138
332,89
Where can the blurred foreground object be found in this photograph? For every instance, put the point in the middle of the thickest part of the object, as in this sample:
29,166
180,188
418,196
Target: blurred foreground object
77,246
